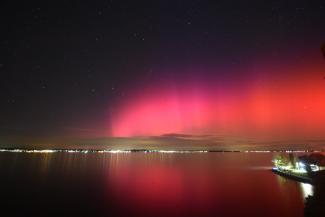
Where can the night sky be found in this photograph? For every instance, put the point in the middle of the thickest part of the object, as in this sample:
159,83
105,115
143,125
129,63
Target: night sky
249,69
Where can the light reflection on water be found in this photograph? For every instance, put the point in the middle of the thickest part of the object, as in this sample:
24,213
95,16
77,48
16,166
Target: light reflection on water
157,184
307,189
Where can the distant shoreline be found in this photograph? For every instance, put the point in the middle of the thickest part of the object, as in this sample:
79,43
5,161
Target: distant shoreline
82,150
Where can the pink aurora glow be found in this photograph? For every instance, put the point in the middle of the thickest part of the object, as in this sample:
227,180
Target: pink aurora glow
279,105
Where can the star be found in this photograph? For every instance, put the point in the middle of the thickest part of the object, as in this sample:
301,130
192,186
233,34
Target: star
11,101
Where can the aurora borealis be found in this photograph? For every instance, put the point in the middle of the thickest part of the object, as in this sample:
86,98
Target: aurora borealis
112,69
274,100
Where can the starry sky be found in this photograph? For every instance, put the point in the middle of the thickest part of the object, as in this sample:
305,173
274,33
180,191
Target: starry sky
90,69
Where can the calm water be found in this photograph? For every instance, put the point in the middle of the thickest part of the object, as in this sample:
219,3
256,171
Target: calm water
152,184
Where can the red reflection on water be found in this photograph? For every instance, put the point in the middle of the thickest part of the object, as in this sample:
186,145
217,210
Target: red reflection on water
200,187
159,185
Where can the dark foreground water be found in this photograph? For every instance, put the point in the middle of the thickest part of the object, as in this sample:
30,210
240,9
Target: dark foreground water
146,184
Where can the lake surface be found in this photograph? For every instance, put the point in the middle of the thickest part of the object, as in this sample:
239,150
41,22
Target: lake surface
147,184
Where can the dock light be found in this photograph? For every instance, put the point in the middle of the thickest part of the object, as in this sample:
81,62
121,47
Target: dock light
301,165
314,167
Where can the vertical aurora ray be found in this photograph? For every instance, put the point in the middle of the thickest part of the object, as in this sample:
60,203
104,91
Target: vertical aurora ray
283,101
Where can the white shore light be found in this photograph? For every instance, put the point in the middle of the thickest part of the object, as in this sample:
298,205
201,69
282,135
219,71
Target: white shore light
117,151
85,151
